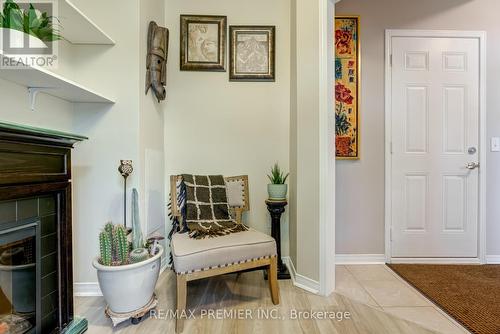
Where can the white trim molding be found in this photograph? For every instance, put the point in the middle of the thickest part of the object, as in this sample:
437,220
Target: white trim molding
164,265
481,36
87,289
300,281
493,259
326,149
437,260
342,259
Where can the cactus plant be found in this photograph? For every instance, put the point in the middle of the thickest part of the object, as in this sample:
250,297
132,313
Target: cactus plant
137,241
114,247
139,255
120,244
108,229
105,248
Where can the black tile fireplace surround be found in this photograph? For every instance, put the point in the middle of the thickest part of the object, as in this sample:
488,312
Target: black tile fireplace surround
36,281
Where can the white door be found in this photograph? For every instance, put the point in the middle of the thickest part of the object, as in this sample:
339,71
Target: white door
435,147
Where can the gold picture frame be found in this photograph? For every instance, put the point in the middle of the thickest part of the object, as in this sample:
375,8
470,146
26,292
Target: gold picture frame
203,43
347,86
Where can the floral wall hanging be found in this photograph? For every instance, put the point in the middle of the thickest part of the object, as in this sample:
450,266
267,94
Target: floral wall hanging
347,84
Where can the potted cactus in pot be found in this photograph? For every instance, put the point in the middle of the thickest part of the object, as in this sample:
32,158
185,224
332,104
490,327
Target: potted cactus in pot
127,270
277,189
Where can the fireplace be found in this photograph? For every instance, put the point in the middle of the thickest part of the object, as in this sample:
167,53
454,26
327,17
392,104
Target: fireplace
36,289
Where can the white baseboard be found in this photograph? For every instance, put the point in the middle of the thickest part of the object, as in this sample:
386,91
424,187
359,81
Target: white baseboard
492,259
343,259
88,289
452,260
299,280
164,265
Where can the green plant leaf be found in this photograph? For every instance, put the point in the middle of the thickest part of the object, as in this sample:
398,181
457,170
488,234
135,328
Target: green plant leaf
32,17
16,19
277,176
30,21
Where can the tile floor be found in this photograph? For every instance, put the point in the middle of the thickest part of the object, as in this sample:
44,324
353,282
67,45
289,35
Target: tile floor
378,286
380,303
249,292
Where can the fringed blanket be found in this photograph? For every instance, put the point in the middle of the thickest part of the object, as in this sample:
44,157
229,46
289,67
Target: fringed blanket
207,210
203,204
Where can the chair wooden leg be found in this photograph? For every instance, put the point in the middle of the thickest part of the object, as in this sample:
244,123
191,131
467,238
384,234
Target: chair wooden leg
181,302
272,277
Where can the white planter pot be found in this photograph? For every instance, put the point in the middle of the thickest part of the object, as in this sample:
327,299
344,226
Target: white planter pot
129,288
277,191
16,39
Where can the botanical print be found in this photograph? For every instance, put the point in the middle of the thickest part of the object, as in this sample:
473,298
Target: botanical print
252,53
346,87
203,43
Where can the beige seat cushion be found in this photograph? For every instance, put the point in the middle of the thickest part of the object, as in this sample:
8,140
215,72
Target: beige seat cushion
193,255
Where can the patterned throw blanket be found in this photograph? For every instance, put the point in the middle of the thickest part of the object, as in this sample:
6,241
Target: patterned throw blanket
204,207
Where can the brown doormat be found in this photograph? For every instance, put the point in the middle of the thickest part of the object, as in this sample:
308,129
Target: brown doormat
468,293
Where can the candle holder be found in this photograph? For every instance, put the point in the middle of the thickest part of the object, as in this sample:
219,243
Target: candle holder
125,170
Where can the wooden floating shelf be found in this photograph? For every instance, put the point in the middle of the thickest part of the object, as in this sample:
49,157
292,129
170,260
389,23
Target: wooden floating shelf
51,84
78,28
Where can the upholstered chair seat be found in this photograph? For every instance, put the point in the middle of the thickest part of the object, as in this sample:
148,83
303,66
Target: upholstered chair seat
192,255
195,259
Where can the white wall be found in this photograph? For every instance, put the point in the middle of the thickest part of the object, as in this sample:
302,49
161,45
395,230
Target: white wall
311,148
151,139
113,131
305,178
360,184
125,130
231,128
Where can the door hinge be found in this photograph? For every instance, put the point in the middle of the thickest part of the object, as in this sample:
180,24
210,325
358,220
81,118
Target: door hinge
391,148
390,60
390,234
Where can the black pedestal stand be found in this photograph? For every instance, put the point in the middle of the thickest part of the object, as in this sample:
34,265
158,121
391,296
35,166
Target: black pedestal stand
276,209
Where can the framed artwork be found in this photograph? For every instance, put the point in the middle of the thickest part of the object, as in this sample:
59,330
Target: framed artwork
252,53
203,43
347,86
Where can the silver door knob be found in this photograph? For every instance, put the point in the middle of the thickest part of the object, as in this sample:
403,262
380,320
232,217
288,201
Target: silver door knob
472,165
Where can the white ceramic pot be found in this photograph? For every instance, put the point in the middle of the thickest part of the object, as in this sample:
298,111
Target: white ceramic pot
277,191
130,287
17,39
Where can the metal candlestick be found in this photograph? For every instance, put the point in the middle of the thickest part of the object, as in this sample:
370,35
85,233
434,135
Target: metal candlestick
125,170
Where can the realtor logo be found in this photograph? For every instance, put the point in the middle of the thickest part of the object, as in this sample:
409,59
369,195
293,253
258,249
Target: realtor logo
29,32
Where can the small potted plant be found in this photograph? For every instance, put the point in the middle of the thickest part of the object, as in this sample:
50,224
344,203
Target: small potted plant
127,271
39,26
277,189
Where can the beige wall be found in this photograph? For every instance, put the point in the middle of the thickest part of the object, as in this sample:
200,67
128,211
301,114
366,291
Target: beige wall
360,184
233,128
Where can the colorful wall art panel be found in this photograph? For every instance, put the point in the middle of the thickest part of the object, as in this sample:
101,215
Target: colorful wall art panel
347,83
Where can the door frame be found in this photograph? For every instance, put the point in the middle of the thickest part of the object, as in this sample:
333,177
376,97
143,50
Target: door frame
483,148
